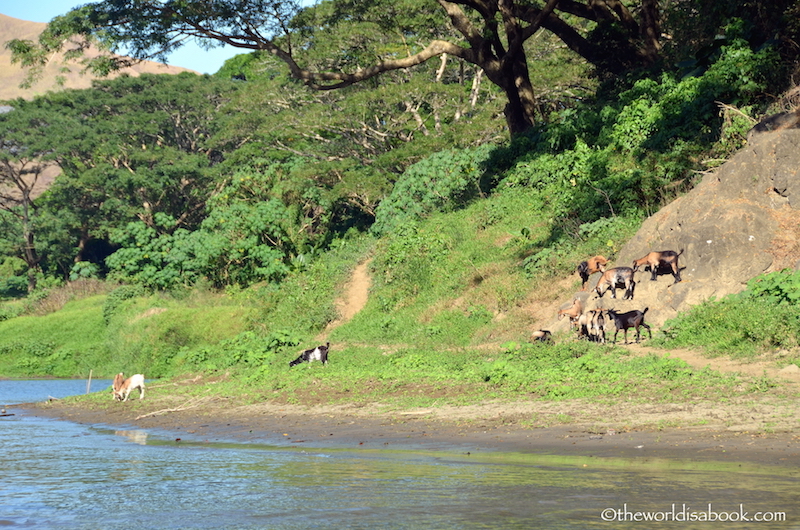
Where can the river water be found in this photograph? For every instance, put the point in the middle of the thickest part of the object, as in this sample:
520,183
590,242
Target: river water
58,474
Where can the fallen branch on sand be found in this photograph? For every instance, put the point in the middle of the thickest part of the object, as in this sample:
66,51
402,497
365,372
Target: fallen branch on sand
191,404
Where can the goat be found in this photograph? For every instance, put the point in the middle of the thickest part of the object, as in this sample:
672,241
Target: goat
125,389
630,319
320,353
573,312
541,335
116,385
616,277
657,260
592,325
589,267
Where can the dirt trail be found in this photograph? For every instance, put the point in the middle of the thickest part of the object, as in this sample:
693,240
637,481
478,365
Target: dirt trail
353,299
724,364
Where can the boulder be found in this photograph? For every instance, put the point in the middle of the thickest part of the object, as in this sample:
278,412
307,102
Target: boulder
740,221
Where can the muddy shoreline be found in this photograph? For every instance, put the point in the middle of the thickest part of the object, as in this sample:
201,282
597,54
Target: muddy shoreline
345,427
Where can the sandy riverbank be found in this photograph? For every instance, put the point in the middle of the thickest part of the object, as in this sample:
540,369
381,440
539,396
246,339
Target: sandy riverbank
615,431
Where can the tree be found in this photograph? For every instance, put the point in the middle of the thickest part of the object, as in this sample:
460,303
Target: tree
491,34
128,149
24,157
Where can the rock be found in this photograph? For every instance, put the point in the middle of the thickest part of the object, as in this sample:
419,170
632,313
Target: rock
789,370
738,222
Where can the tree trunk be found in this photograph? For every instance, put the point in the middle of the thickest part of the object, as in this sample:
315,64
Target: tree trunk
520,111
29,252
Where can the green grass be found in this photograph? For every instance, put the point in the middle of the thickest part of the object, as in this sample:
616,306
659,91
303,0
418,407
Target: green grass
446,322
66,343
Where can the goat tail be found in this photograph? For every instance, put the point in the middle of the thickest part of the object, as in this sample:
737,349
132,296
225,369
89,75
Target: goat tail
681,252
645,310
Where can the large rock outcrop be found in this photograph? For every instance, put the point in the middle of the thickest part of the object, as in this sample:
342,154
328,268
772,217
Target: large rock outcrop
740,221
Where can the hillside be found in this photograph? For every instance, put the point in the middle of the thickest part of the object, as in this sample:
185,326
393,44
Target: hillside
11,75
740,221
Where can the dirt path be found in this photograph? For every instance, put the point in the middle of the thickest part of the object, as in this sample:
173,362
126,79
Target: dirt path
354,298
725,364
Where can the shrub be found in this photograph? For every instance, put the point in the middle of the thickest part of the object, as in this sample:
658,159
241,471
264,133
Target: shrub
443,181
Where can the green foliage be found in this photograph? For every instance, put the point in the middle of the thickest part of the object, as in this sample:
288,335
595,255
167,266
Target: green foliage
763,317
116,297
247,349
441,182
780,287
83,270
65,343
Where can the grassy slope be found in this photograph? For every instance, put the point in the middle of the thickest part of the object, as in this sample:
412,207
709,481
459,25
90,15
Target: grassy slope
446,322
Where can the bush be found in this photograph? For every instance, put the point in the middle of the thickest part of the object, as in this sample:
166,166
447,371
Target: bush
763,317
442,182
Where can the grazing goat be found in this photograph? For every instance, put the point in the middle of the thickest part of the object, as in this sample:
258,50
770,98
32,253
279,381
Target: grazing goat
616,277
573,312
592,325
320,353
658,260
541,335
589,267
116,385
630,319
125,389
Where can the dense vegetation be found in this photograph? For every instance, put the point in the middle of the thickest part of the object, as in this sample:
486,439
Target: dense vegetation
208,223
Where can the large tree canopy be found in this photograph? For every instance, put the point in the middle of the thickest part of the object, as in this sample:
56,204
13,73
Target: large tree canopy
490,34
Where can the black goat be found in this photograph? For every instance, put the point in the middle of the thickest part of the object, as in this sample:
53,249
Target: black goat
320,353
630,319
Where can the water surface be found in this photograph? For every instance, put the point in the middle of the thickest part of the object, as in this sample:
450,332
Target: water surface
58,474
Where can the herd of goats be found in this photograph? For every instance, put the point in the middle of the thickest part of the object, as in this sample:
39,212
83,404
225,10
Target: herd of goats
592,324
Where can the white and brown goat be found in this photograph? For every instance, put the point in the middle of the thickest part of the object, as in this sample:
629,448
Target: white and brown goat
616,277
122,388
589,267
592,326
541,335
659,260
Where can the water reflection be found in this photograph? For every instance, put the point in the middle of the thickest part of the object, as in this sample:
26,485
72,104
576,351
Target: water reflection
135,436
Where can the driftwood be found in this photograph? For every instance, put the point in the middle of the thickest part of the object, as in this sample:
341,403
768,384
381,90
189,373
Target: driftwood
191,404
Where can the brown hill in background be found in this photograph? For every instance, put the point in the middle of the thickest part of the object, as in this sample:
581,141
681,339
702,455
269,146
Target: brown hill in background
11,75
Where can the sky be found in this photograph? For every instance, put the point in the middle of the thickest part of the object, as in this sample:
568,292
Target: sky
189,56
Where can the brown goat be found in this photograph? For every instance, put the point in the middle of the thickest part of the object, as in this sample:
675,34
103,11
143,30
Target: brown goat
658,260
616,277
589,267
573,312
630,319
